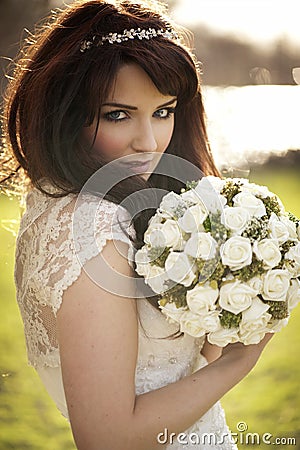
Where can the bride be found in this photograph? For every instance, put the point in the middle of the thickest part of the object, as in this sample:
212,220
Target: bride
105,93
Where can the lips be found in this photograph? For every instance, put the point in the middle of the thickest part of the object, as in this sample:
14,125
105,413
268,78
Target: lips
138,166
137,162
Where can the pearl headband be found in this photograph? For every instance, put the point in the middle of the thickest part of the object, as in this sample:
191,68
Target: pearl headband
139,33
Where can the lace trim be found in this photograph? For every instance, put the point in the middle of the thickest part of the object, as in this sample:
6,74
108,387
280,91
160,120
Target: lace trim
49,260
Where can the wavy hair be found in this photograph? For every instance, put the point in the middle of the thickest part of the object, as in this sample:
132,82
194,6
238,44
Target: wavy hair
55,90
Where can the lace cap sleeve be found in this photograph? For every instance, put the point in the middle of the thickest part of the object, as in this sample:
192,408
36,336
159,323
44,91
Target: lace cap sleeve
94,222
53,245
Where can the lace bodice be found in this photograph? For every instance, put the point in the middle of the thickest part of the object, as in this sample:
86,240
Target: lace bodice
49,260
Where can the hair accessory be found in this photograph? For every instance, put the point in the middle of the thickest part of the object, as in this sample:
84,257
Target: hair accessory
113,38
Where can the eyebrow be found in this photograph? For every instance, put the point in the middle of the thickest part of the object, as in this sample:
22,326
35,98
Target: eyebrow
134,108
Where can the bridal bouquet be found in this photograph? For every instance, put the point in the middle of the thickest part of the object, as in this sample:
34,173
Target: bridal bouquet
224,257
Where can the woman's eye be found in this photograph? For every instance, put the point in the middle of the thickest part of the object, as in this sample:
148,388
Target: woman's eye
115,116
164,113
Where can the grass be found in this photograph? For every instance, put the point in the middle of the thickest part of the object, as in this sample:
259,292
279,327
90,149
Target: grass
28,417
267,399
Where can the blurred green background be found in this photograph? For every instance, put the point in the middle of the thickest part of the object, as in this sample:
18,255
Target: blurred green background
267,400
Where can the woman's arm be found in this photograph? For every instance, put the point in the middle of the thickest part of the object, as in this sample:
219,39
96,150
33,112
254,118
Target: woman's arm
98,339
211,352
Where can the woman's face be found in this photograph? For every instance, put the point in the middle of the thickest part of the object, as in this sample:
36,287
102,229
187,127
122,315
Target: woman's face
136,122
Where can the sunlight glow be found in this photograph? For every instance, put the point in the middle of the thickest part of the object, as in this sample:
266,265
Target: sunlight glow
257,20
248,123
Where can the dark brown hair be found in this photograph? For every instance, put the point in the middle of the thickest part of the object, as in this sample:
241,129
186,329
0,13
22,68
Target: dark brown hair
56,90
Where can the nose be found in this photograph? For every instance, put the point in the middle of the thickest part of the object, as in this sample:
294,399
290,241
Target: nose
144,139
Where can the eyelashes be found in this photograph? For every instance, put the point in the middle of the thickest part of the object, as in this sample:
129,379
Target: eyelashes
114,116
120,115
169,112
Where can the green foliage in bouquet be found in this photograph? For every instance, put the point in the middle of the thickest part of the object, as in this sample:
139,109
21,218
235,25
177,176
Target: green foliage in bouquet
229,319
212,269
277,309
256,229
252,270
174,294
230,190
158,255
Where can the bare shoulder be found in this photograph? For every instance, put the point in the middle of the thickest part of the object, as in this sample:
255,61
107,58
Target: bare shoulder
94,296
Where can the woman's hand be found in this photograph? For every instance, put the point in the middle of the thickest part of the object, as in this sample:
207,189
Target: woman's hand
245,356
211,352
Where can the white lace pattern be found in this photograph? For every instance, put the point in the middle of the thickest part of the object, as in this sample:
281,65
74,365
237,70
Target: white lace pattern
49,260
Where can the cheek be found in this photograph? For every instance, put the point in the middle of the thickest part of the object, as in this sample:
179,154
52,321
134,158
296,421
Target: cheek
164,135
109,144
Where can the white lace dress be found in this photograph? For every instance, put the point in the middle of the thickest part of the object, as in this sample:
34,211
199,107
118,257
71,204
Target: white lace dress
48,261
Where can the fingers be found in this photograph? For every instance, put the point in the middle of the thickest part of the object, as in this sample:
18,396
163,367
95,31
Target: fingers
266,339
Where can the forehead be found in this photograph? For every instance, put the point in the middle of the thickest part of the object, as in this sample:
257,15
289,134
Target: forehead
133,86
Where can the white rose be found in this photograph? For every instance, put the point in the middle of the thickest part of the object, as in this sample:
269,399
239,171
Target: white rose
276,283
211,321
212,200
201,299
223,336
142,261
235,219
256,310
172,233
254,322
156,218
248,201
276,325
267,250
193,218
236,296
256,283
291,227
257,190
293,294
172,313
156,278
236,252
216,182
201,245
210,183
154,236
191,324
179,268
278,229
254,336
294,254
170,202
298,231
191,197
